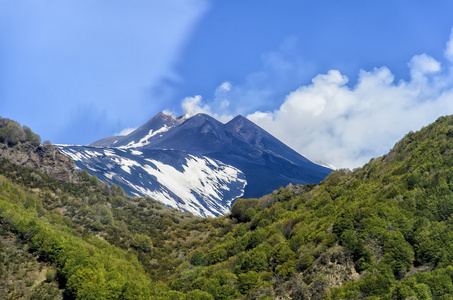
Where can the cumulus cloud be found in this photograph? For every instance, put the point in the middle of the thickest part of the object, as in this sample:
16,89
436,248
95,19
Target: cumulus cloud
347,126
423,64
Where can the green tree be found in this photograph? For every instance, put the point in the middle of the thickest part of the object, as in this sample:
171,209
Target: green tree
198,258
247,281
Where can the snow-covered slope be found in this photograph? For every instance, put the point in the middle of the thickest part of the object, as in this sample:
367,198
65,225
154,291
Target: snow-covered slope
191,183
196,164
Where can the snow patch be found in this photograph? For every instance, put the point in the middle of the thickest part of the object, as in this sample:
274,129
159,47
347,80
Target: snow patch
145,140
126,164
109,152
136,152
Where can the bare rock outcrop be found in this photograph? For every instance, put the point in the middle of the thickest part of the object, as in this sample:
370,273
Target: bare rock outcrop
45,158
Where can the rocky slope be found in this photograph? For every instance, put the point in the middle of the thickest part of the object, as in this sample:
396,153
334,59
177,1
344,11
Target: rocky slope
47,159
23,147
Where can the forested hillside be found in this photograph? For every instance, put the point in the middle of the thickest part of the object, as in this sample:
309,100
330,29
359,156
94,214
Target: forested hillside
378,232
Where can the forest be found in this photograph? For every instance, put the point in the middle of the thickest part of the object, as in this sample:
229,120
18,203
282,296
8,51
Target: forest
382,231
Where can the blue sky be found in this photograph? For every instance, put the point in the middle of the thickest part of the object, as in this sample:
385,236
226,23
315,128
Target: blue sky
339,81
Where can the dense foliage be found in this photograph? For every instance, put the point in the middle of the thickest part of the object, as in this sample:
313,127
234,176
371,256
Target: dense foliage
378,232
11,133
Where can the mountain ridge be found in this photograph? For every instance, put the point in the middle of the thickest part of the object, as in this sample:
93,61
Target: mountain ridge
252,159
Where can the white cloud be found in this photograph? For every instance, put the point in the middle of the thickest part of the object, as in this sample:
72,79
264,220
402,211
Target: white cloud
224,87
308,99
423,64
346,126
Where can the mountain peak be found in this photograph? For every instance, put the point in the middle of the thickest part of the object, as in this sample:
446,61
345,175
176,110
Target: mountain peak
200,119
202,116
163,114
162,117
266,162
240,122
240,117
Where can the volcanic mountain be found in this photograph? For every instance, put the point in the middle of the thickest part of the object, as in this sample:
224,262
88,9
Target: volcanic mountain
196,164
